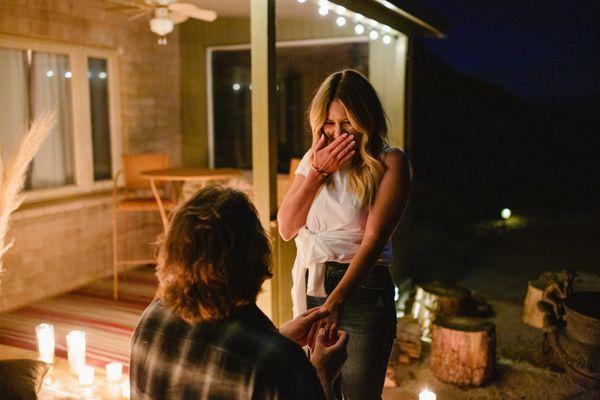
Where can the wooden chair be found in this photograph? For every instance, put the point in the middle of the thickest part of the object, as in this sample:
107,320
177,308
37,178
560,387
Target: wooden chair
136,197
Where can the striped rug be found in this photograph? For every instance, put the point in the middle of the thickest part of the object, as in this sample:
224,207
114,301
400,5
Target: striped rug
108,324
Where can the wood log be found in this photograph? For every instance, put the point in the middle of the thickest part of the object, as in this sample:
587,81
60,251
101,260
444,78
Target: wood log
436,299
408,337
532,315
463,350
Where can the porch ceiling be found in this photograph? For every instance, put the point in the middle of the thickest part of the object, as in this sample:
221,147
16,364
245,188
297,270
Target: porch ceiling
405,15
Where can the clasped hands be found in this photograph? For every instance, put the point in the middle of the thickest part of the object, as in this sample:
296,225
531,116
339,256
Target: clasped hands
328,158
327,343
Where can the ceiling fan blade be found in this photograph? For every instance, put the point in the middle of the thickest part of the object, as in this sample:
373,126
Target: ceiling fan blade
125,4
193,11
177,17
139,15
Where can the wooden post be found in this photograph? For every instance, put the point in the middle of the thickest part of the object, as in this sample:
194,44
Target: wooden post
264,140
463,350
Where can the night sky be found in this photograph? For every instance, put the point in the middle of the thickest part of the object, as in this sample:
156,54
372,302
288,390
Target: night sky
539,50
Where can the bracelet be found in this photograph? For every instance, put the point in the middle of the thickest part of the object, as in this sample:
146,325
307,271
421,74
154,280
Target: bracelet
319,171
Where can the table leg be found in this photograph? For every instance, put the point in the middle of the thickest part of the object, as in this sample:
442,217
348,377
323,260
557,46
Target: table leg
161,207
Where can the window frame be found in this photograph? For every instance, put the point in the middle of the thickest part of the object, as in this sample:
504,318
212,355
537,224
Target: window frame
233,47
83,155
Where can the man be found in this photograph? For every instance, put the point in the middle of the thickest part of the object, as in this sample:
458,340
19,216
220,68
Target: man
204,337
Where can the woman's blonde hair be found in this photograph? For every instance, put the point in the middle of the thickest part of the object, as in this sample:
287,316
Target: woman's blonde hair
366,115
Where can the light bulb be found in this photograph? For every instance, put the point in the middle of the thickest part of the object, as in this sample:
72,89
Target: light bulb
359,29
387,39
323,10
340,21
236,87
374,35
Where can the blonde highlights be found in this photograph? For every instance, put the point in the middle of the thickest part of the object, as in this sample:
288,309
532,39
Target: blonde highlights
367,116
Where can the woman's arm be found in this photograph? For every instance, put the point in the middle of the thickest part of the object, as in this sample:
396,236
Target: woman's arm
383,219
297,201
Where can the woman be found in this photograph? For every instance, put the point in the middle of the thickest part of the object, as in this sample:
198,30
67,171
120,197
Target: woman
347,198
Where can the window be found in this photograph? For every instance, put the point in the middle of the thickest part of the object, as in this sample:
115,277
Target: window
300,69
82,151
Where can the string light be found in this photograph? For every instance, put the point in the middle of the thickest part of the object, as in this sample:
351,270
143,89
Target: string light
236,87
340,10
374,27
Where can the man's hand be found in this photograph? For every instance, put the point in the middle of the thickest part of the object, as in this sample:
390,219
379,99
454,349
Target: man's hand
298,328
328,360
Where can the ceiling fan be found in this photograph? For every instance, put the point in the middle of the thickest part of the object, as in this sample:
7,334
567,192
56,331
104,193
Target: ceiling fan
165,13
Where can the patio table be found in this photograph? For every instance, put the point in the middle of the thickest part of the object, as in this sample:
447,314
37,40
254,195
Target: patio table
178,175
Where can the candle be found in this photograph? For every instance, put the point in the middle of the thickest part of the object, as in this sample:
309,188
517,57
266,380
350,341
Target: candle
86,375
45,340
427,395
126,389
76,350
114,371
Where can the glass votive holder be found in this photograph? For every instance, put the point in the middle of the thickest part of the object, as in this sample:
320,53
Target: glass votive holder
86,375
45,340
114,371
126,389
76,351
427,395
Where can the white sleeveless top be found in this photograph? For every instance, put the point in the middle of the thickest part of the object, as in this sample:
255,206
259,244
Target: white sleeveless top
334,230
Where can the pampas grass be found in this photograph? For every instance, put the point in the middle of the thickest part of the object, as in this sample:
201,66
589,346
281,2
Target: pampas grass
14,173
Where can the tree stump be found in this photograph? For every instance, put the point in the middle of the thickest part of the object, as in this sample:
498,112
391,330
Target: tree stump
463,350
436,299
532,315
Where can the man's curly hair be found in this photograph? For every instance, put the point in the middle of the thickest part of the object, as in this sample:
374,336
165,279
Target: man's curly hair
214,257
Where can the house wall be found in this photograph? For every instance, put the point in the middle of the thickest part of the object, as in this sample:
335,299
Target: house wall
386,72
62,244
195,38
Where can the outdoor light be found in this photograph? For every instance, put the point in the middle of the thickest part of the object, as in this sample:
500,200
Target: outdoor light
68,75
506,213
340,21
236,87
114,371
341,10
323,10
161,26
45,339
86,375
76,350
102,75
374,35
427,395
387,39
359,29
49,73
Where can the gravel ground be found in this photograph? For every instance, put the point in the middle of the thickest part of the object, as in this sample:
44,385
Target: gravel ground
496,262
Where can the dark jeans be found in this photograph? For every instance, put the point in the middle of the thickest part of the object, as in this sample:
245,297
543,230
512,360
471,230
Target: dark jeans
369,318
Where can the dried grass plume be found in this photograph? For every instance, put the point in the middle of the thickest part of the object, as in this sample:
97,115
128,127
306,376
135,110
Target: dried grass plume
14,173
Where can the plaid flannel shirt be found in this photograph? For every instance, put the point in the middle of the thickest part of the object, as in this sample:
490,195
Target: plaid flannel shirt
243,357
